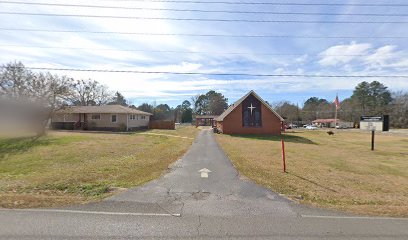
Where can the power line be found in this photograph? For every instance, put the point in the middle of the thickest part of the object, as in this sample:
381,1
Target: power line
209,11
218,74
201,19
268,3
189,52
200,35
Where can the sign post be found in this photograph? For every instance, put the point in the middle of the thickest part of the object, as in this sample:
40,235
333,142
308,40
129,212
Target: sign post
372,139
283,150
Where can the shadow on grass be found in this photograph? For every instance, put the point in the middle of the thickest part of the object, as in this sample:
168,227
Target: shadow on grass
10,146
286,137
96,132
313,182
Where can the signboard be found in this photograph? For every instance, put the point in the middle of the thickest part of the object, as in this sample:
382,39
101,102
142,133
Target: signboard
371,119
371,123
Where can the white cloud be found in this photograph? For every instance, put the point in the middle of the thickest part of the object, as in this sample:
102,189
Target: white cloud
279,71
262,55
387,57
341,54
301,59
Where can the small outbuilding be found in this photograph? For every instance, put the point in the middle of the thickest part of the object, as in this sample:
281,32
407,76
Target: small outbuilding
326,122
331,123
205,120
249,115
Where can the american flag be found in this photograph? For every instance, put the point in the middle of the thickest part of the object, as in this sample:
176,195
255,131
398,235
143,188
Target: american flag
337,102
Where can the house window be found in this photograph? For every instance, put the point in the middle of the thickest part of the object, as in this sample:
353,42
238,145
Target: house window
251,112
257,122
96,117
246,119
114,118
132,117
142,117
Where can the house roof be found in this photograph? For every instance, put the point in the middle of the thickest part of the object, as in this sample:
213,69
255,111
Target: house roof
237,103
102,109
326,120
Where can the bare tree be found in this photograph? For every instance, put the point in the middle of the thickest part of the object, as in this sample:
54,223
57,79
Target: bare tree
90,93
398,110
15,80
287,110
38,95
194,100
51,92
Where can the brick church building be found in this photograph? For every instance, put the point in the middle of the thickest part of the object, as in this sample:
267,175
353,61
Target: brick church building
249,115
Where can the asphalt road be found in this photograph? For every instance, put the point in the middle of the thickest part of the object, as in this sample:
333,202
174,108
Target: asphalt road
182,204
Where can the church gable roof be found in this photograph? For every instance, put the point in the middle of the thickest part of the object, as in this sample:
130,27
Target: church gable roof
239,101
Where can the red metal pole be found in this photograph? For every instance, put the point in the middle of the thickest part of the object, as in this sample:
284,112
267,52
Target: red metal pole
283,152
283,155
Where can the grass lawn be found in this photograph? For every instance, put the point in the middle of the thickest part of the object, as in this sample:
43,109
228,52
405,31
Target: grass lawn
339,171
67,167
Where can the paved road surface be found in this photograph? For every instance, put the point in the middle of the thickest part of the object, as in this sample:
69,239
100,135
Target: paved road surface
182,204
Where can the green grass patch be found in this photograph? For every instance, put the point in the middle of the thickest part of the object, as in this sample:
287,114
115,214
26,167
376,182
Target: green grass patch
9,146
68,167
338,171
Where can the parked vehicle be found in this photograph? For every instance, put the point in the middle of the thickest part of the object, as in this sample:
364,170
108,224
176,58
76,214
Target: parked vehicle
311,127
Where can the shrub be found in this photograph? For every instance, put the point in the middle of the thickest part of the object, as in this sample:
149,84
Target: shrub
69,126
122,127
91,125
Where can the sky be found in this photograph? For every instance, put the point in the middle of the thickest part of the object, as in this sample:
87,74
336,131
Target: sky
310,45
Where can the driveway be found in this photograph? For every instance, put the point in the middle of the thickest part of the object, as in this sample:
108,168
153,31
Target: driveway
183,192
184,204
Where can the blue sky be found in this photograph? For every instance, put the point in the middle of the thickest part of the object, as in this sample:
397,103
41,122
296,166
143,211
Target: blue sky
351,55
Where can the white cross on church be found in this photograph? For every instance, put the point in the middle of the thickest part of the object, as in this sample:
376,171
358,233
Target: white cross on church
252,108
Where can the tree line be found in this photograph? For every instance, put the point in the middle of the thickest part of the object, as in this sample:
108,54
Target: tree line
35,96
210,103
368,99
47,92
50,92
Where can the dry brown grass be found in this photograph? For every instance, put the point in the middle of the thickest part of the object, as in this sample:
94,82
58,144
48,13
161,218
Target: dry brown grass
69,167
339,171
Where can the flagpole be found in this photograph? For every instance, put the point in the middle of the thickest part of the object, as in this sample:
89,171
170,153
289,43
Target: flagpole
336,103
335,118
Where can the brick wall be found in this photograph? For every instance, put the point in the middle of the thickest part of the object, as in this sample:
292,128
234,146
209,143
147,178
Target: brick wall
232,123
